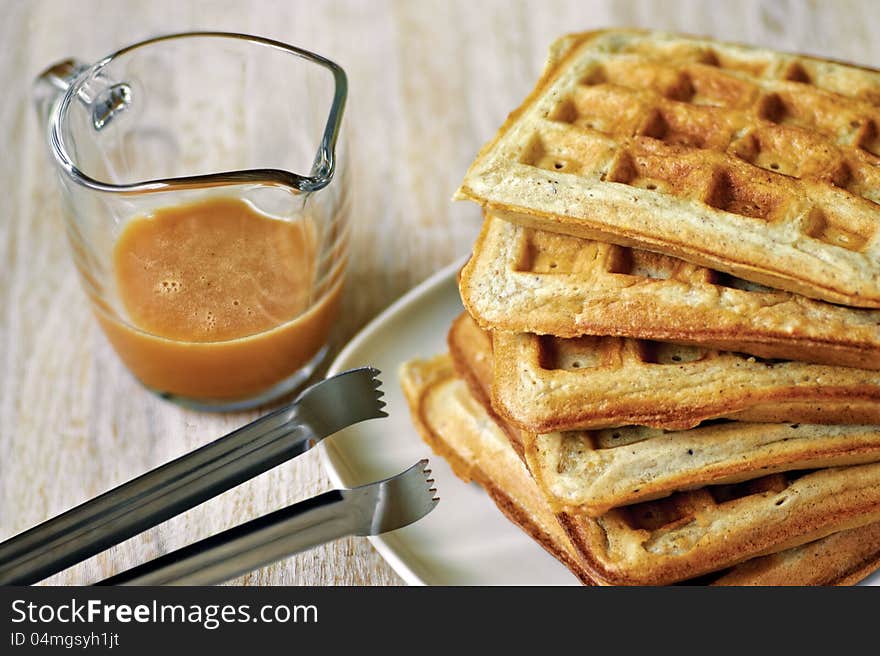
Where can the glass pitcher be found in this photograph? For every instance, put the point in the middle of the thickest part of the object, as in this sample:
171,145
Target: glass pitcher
206,204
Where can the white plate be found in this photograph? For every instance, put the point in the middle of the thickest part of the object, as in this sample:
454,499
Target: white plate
465,540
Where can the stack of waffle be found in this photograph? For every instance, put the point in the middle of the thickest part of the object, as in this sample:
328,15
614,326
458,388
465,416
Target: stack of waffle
669,368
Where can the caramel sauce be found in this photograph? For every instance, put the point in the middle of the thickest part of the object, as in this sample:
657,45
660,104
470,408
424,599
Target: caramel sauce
219,299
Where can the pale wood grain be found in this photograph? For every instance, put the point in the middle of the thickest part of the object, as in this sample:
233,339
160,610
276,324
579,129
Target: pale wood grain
430,82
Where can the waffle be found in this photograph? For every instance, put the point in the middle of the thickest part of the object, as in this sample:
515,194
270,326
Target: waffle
593,471
843,558
545,384
457,428
760,164
690,533
525,280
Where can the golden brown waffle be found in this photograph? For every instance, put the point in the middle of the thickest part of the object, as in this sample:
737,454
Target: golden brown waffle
525,280
457,428
689,533
757,163
843,558
471,350
593,471
545,384
444,411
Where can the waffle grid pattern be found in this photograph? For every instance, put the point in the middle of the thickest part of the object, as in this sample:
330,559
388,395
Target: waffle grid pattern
697,130
525,280
630,134
545,384
541,253
681,508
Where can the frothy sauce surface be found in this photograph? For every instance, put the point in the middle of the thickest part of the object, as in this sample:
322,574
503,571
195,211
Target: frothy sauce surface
221,300
213,271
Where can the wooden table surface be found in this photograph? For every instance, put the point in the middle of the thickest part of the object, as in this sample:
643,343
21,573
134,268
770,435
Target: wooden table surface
430,82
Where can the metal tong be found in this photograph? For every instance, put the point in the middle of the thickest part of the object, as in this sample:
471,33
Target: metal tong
321,410
367,510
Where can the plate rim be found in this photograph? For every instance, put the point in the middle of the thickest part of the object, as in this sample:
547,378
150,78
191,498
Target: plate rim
432,282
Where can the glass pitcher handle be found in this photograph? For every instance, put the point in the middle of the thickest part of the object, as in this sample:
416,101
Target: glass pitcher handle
53,83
